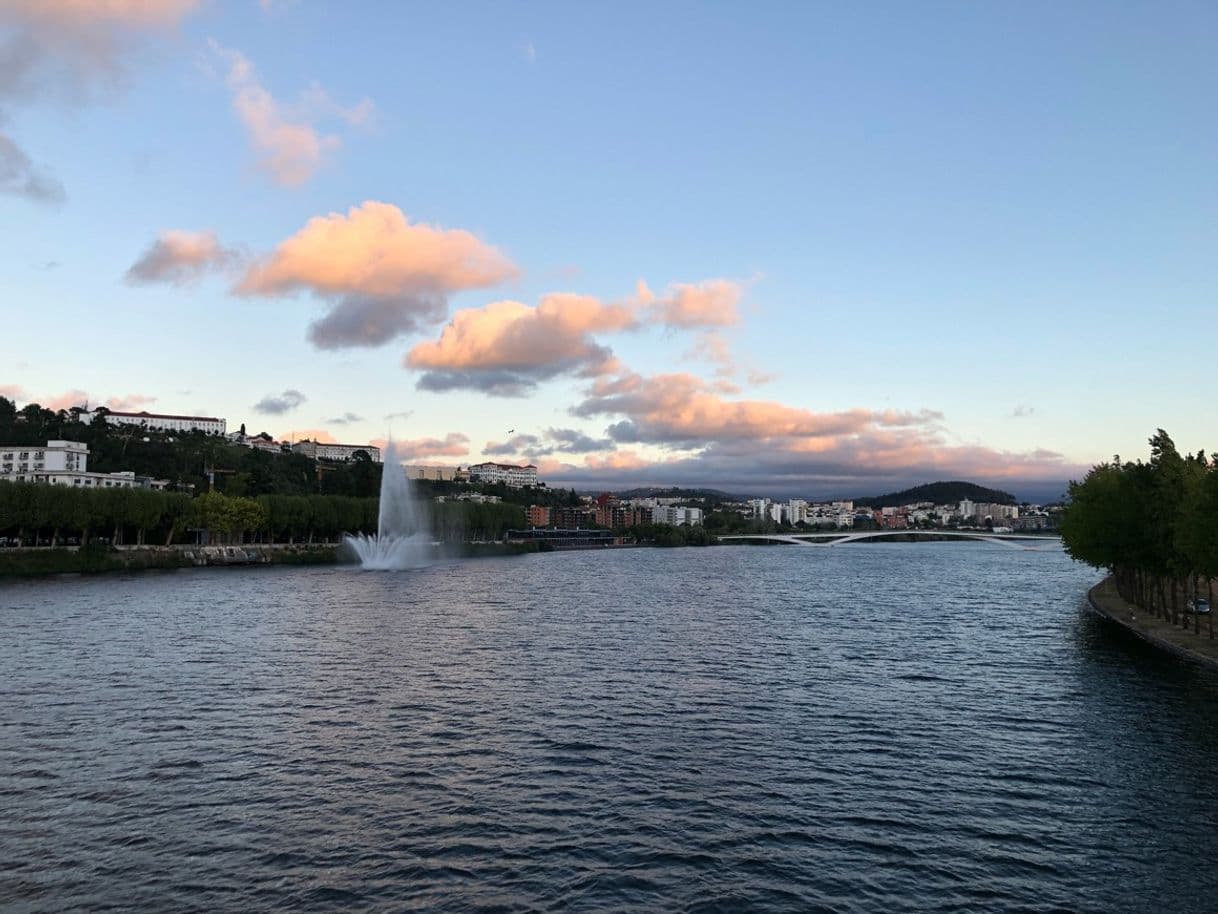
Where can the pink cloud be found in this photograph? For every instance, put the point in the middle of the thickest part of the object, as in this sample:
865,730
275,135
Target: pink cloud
74,49
682,407
506,348
289,145
12,392
454,444
709,303
130,403
181,257
320,435
383,275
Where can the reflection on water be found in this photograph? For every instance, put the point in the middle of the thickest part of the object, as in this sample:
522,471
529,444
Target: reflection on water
875,728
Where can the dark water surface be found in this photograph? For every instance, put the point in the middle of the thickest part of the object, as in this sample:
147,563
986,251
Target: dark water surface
932,727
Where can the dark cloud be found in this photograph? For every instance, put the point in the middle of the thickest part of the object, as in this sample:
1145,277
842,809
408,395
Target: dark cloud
503,383
20,178
356,320
272,405
344,419
518,444
551,441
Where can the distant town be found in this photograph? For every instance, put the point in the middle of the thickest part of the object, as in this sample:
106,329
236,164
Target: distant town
172,454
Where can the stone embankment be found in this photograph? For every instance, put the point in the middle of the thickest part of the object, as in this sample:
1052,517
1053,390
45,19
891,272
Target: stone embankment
96,559
1181,641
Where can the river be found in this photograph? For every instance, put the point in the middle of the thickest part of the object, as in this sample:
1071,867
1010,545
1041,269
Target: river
885,727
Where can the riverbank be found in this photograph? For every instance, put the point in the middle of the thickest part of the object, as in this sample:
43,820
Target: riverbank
36,562
1106,602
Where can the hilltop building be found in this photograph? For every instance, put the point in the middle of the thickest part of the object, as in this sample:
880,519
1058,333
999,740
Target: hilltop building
511,475
158,422
339,452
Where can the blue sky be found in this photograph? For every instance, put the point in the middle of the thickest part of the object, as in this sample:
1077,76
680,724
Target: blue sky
964,239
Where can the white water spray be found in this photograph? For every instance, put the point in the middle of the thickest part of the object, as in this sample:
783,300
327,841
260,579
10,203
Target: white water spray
401,539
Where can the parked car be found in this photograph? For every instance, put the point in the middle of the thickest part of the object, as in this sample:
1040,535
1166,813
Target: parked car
1198,606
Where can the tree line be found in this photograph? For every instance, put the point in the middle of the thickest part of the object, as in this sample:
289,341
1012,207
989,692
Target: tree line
45,515
1152,525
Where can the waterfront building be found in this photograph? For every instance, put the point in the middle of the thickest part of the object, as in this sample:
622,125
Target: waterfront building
63,463
511,475
158,422
538,515
337,452
573,518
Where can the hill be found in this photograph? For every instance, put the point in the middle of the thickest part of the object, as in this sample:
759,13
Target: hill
711,495
940,493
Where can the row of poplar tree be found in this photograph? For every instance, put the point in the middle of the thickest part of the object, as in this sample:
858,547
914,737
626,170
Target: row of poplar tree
43,515
1152,525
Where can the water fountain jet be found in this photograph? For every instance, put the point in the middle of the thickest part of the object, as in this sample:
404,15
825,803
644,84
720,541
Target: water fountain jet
401,540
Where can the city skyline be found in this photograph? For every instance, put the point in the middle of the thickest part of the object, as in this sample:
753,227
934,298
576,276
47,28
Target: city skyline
802,250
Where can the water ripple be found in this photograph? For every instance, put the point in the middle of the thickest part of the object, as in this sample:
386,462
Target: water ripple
875,728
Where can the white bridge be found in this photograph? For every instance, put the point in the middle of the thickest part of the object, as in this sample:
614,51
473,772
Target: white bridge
1010,540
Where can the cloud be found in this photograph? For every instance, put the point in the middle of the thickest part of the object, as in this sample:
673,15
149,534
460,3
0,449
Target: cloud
72,52
678,409
692,306
382,275
552,441
1022,412
530,52
130,403
507,348
454,444
76,50
12,392
403,414
286,138
344,419
756,445
712,346
181,257
320,435
277,405
19,177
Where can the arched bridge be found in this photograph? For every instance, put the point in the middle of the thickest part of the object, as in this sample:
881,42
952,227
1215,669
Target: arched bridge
1010,540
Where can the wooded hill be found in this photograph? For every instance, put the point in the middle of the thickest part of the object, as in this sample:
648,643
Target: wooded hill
939,493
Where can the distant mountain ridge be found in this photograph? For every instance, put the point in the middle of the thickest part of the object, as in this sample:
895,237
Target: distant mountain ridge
940,493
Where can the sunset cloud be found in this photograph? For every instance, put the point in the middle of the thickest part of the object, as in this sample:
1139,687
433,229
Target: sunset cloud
681,409
180,258
454,444
320,435
382,275
691,306
70,52
507,348
130,403
286,137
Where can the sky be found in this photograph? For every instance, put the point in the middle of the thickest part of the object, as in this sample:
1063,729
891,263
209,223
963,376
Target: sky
775,248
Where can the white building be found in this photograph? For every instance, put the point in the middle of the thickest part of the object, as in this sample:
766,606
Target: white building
676,516
60,463
158,422
437,473
797,511
514,477
340,452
